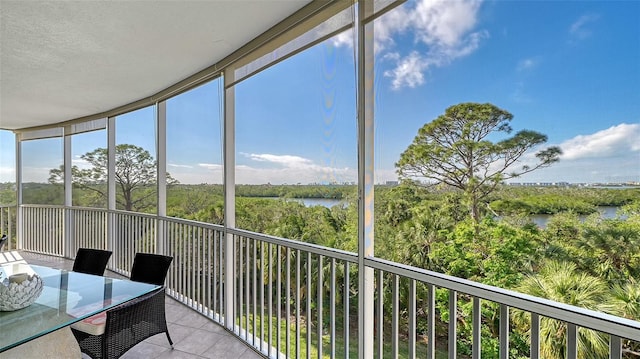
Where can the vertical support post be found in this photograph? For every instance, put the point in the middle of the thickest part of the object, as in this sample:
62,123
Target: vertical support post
111,188
68,247
365,107
161,152
19,214
229,146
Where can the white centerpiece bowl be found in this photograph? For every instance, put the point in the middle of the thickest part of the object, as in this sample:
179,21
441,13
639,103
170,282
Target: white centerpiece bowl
19,291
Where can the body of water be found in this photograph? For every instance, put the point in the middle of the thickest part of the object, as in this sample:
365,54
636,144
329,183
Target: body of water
310,202
540,220
326,202
607,212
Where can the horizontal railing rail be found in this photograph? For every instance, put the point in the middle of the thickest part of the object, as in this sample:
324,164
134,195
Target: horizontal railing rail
296,299
585,318
574,318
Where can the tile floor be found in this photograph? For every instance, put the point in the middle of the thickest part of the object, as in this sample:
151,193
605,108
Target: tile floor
194,335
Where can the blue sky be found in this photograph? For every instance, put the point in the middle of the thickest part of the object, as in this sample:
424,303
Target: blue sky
568,69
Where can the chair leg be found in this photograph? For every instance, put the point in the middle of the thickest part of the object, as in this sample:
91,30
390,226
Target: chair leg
169,339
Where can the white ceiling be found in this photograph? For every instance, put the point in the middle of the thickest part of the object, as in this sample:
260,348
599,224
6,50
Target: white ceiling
61,60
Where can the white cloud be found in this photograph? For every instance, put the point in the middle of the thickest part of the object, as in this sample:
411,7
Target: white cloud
210,166
290,169
527,64
442,26
35,174
285,160
614,141
343,39
579,30
408,71
444,22
175,165
7,174
610,155
80,163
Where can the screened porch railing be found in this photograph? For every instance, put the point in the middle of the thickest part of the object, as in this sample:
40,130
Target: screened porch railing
294,299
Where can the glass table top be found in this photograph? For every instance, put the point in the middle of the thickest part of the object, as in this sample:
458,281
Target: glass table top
67,297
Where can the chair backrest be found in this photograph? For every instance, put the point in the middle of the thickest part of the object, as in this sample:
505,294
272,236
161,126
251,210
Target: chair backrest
3,240
91,261
150,268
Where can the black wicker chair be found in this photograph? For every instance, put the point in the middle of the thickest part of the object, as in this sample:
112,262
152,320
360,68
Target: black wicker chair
91,261
3,240
128,324
150,268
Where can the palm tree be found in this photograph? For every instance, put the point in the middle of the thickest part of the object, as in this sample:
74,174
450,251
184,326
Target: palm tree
561,282
611,247
626,301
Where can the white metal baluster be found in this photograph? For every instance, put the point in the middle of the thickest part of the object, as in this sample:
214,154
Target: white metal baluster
82,235
615,347
346,294
214,275
200,266
221,277
190,264
288,301
240,281
47,238
431,321
207,270
477,329
535,336
47,241
270,293
504,331
308,309
247,286
262,297
38,234
43,247
572,342
412,319
453,310
196,268
380,313
278,299
183,269
298,304
255,290
320,287
332,309
395,293
86,234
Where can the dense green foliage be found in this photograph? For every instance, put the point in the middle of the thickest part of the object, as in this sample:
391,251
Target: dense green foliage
591,262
